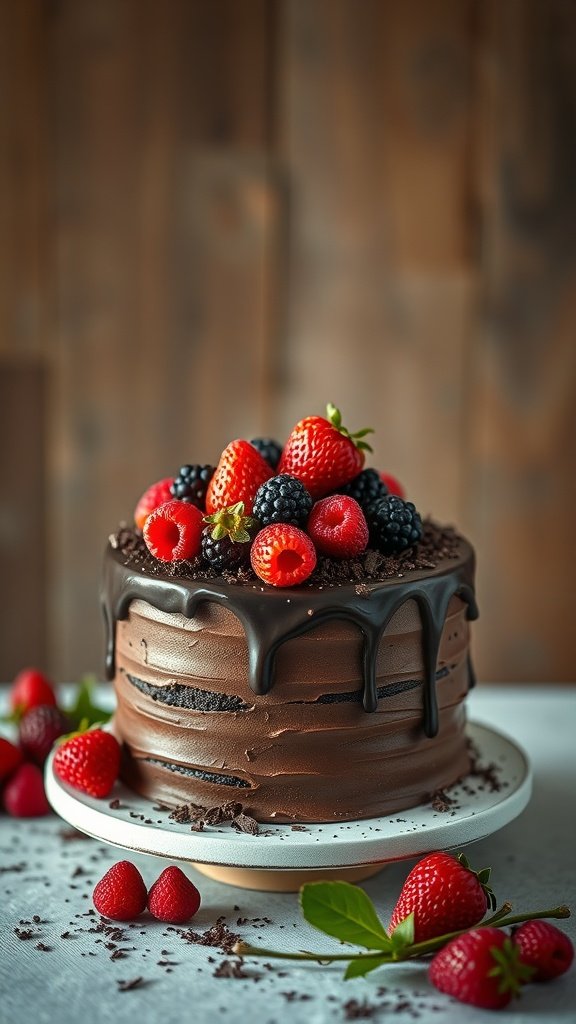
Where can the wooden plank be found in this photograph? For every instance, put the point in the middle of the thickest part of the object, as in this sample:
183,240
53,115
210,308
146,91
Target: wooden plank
521,484
376,122
164,220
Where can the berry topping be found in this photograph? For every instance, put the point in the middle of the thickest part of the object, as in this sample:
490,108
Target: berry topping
544,948
29,689
24,795
282,499
10,758
191,485
283,555
366,488
238,476
121,893
338,527
269,449
89,761
155,495
173,898
393,485
322,453
394,525
444,895
173,531
38,730
480,967
226,541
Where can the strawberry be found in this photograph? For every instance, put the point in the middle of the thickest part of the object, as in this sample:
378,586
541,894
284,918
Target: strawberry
481,967
10,758
24,795
338,527
29,689
282,555
544,948
239,473
173,898
174,531
89,761
155,495
120,894
393,484
38,730
322,453
444,894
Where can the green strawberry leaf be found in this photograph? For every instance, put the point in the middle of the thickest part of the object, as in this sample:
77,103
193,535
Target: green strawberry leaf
358,968
403,934
84,711
345,912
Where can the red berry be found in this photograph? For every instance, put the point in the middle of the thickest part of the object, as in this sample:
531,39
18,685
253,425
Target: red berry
29,689
444,895
173,897
155,495
338,526
394,486
480,967
282,555
24,795
173,531
238,475
39,729
10,758
120,894
89,761
545,948
322,453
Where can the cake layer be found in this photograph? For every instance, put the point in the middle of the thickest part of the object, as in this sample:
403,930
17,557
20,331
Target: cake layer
307,705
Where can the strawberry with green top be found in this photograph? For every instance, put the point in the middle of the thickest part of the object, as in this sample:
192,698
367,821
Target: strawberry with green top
239,473
323,454
480,967
89,761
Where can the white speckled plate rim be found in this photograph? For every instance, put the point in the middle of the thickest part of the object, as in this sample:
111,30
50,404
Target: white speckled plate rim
139,826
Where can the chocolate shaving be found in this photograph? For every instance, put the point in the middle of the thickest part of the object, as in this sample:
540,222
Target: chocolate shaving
231,969
218,936
127,986
245,823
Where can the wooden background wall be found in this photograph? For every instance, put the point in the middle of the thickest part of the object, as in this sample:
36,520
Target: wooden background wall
217,214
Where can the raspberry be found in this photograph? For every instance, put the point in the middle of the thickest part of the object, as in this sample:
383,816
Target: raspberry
544,948
24,795
10,758
394,525
173,898
338,527
191,484
283,555
393,485
282,499
155,495
366,488
269,449
120,894
29,689
38,730
173,531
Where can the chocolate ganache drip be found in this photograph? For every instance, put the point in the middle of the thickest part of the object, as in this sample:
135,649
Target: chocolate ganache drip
270,617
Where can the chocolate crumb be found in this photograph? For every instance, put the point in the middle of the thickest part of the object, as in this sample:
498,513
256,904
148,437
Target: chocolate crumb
246,823
356,1010
24,933
218,936
43,947
231,969
127,986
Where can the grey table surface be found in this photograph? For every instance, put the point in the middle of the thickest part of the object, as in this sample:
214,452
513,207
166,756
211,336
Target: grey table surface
77,977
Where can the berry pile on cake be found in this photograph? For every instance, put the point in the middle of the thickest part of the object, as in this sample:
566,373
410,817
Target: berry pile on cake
285,631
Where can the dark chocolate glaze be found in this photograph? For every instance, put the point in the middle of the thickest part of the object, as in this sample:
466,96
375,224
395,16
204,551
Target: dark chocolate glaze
271,616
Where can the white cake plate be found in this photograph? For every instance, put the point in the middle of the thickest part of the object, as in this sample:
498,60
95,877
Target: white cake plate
282,857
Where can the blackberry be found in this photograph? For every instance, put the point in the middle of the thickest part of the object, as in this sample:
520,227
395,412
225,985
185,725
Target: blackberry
282,499
223,553
191,484
269,449
394,525
366,488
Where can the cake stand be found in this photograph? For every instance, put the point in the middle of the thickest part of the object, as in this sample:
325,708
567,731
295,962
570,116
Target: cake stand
282,857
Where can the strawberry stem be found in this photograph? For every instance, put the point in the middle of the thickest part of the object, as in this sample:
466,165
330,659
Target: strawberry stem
417,949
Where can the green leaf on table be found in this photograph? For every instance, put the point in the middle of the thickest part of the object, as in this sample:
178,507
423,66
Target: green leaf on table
84,710
359,968
345,912
403,934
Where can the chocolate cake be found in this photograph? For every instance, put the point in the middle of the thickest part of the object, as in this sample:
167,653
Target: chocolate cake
341,697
